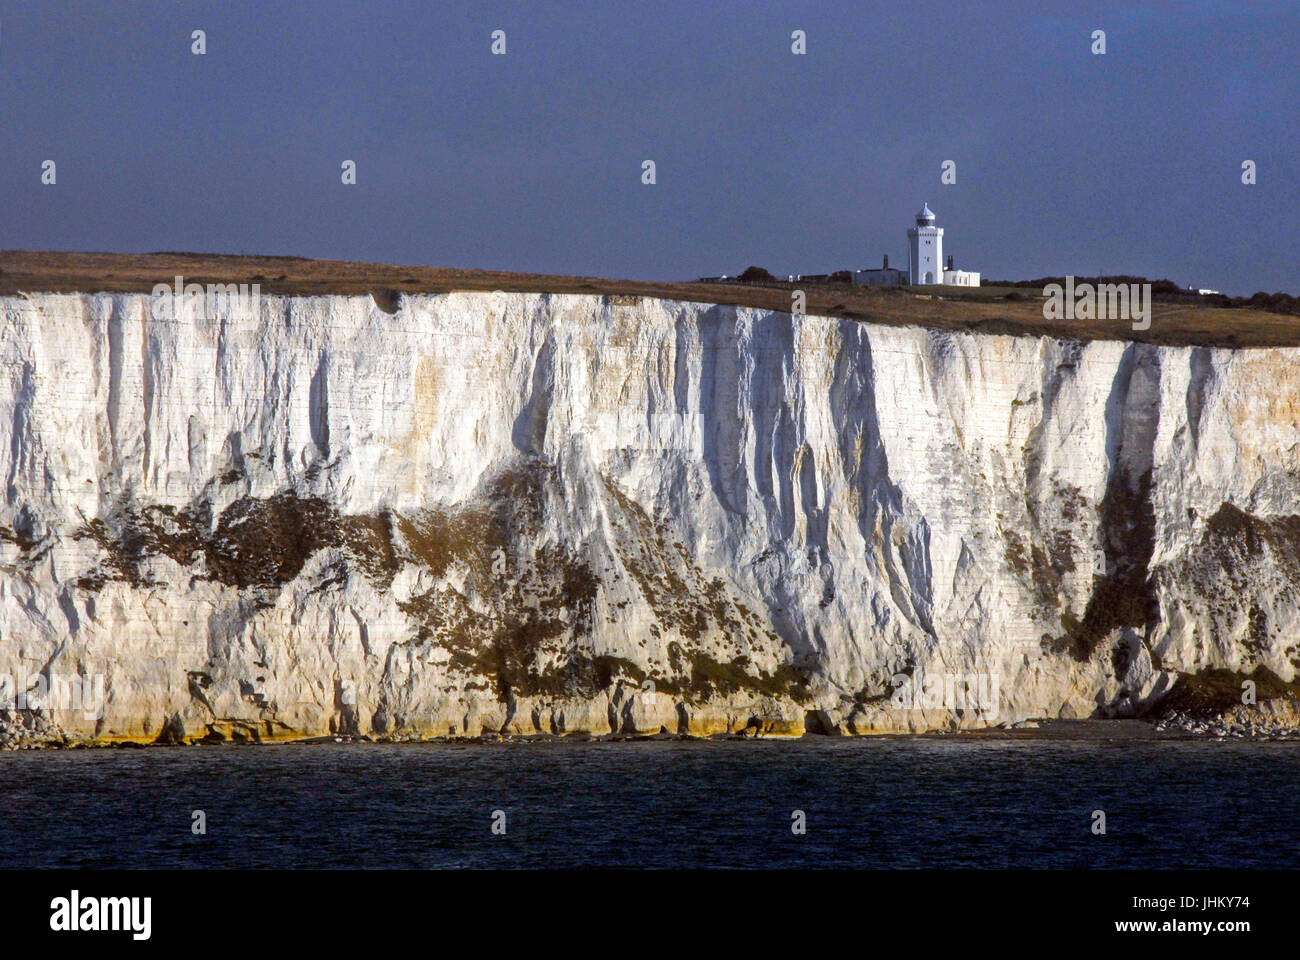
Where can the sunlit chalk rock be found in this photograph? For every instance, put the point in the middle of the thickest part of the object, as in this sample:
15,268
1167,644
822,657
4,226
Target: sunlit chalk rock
498,512
648,712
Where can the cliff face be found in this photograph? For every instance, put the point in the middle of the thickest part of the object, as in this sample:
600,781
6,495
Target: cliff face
558,513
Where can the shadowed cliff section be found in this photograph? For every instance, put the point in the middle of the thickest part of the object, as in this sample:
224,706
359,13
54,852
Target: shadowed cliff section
1122,594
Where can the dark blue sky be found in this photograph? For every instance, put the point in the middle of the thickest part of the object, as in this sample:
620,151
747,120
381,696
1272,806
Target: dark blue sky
1066,162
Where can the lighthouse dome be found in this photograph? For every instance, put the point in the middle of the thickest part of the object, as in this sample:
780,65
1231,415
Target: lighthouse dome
925,215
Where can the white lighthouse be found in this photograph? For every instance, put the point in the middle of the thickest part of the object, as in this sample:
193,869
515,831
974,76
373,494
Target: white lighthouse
925,242
925,263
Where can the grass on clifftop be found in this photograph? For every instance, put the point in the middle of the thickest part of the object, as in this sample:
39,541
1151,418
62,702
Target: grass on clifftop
990,310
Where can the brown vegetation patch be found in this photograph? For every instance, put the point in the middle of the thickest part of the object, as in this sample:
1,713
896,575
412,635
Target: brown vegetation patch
507,609
267,542
1235,540
683,598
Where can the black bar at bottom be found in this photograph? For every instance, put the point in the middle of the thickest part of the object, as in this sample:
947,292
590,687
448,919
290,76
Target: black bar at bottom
733,909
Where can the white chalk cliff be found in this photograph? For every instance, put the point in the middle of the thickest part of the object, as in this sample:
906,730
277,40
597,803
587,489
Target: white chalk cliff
514,512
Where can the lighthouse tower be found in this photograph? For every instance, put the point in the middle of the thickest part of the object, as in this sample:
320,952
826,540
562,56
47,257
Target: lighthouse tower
925,242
